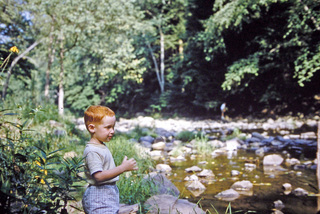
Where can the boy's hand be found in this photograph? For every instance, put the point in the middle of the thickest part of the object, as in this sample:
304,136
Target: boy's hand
129,165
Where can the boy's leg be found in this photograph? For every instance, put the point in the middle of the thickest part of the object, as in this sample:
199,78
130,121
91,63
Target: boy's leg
102,199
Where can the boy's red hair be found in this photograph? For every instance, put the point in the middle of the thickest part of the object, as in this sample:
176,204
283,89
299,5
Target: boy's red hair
94,114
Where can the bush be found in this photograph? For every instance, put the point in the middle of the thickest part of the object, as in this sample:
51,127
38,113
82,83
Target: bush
132,185
29,181
186,136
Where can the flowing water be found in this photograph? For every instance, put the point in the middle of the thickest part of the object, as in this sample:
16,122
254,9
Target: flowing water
267,186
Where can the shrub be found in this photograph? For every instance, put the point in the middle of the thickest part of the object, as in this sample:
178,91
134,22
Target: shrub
186,136
132,185
28,180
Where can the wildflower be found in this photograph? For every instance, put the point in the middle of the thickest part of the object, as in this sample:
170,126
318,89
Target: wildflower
14,49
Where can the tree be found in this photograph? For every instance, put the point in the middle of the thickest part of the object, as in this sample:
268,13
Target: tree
269,41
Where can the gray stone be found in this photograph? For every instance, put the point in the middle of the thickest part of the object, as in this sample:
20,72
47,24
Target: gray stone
164,204
163,167
162,185
272,160
193,169
228,195
242,185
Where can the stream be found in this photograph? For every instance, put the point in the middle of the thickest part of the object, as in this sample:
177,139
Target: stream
267,187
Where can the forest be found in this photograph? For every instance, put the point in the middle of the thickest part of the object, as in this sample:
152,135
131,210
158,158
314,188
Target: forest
175,58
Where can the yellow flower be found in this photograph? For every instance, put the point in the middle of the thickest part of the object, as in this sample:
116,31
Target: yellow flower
14,49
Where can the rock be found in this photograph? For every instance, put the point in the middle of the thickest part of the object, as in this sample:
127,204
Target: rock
206,173
292,161
128,209
203,162
260,151
235,173
163,167
162,184
179,158
159,146
232,145
146,144
278,204
191,178
308,135
250,166
156,153
228,195
147,139
164,204
146,122
195,185
300,192
272,160
287,187
277,212
242,186
193,169
257,135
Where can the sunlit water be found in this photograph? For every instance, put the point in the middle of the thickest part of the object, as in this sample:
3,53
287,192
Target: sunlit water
267,186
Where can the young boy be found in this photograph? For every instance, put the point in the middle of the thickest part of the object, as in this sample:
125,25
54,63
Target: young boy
102,194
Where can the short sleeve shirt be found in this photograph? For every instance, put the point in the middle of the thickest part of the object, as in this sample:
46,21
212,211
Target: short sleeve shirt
98,158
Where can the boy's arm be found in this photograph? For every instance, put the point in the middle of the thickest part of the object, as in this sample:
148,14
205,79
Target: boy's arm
126,165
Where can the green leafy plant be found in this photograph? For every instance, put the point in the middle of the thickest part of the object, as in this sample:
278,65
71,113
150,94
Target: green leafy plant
29,182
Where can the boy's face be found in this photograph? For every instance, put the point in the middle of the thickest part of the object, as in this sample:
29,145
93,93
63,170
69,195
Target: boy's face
104,131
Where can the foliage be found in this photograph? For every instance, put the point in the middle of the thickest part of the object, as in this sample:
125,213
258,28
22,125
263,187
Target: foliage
133,187
185,136
29,182
202,145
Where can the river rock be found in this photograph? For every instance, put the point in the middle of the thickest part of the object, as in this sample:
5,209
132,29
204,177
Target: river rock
242,185
235,173
162,184
147,139
272,160
228,195
278,204
164,204
287,188
126,209
292,161
179,158
232,145
195,185
206,173
163,167
191,178
300,192
193,169
159,146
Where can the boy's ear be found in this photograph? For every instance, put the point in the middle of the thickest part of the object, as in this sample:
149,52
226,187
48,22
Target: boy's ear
91,128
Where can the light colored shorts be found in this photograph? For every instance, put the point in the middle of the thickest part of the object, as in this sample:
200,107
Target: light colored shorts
102,199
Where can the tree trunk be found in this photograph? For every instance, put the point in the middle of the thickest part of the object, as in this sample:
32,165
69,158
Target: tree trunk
61,77
181,49
161,60
318,164
14,62
51,52
156,67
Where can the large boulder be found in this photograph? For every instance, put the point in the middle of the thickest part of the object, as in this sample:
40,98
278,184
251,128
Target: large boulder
162,185
164,204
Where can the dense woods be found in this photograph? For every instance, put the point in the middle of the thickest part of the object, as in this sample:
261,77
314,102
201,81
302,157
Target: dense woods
182,57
